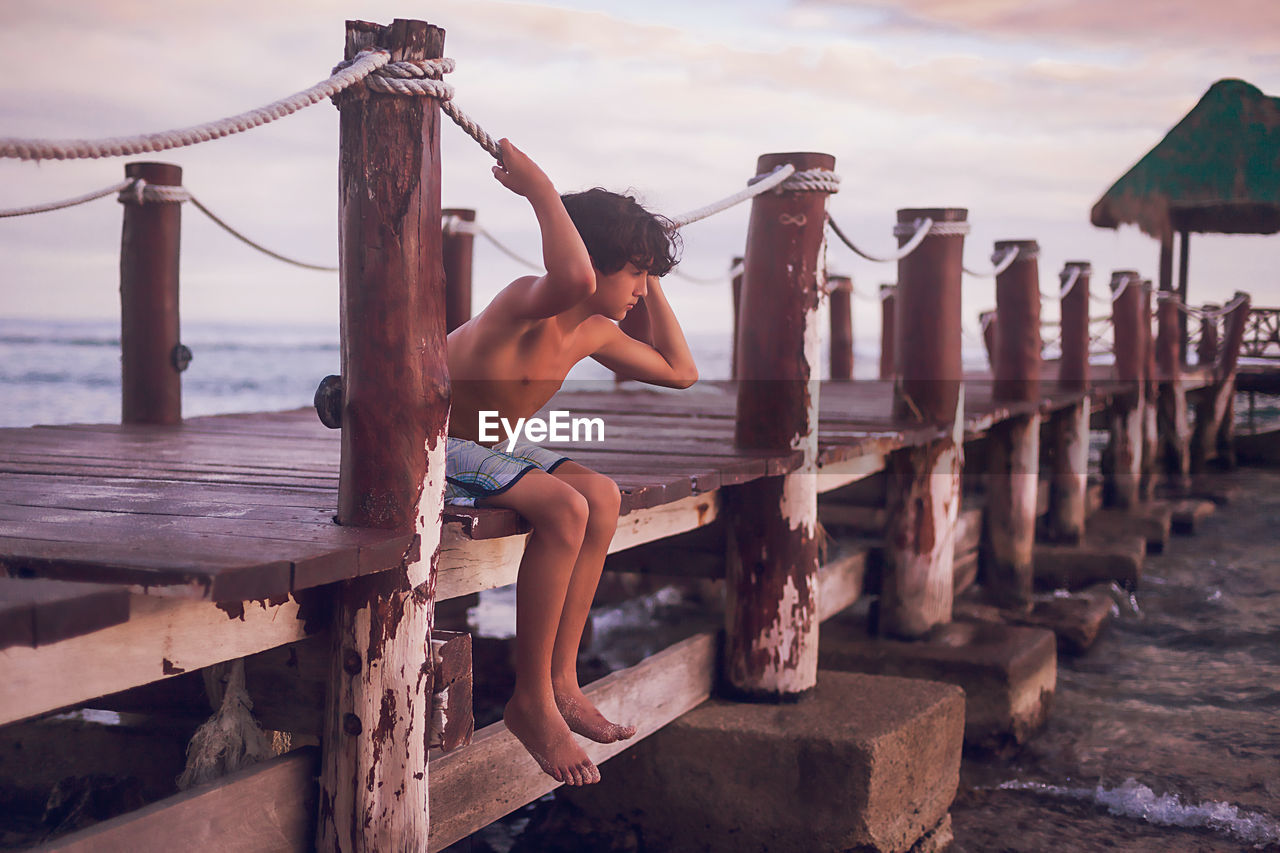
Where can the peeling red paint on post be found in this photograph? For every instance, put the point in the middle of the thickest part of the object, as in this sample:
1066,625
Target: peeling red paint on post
1068,428
923,488
771,645
373,787
1013,445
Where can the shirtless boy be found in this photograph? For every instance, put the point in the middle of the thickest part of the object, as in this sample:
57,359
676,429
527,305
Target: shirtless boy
511,358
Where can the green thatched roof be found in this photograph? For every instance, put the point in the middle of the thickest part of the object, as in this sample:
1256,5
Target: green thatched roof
1217,171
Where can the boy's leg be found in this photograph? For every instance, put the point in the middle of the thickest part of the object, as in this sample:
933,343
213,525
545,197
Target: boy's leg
603,501
559,518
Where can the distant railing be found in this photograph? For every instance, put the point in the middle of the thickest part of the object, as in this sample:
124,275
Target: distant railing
1262,334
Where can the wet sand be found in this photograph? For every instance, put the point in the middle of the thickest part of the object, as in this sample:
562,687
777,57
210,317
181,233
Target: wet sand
1181,695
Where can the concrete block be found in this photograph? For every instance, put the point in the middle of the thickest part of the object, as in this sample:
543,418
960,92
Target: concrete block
1075,618
1008,672
1189,513
1151,521
1104,556
863,763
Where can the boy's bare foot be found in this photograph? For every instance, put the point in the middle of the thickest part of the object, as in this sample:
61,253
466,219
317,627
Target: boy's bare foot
547,738
584,719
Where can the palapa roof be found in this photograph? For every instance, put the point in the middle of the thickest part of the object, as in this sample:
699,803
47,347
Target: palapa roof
1217,170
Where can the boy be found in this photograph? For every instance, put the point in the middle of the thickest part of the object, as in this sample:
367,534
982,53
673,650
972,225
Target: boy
603,254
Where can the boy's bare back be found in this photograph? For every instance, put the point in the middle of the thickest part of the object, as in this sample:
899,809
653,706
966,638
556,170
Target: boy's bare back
514,355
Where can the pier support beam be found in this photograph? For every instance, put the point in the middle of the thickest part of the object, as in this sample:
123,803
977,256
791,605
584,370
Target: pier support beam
771,577
1013,445
1215,412
888,334
457,251
1150,419
923,490
373,783
1173,426
839,303
151,355
1067,431
1122,462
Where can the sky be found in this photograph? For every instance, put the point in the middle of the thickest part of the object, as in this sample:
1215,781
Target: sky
1022,111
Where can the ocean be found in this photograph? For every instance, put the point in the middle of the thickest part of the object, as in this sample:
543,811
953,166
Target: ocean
1164,737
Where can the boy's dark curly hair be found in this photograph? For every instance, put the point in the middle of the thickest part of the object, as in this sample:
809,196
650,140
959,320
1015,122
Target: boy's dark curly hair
616,229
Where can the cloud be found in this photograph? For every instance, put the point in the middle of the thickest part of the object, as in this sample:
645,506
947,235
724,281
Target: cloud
1241,24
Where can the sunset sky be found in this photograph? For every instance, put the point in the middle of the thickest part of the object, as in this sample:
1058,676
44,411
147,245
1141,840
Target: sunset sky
1023,112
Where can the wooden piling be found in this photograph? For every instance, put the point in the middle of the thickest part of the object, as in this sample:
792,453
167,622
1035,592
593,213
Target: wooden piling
990,325
1122,468
1013,445
1150,434
1067,431
840,289
771,609
456,253
736,286
373,785
1215,411
888,322
923,484
1173,426
151,355
1207,347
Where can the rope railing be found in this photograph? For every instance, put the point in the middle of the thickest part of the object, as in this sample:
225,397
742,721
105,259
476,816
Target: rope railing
922,228
66,203
999,263
783,179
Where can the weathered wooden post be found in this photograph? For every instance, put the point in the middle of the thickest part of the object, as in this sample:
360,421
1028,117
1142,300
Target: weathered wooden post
152,357
1067,432
923,490
1013,445
1214,412
1123,461
771,608
1173,425
1207,348
1150,434
888,322
736,285
456,253
989,322
840,288
395,402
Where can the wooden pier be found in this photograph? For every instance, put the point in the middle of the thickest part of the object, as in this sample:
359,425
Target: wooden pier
161,546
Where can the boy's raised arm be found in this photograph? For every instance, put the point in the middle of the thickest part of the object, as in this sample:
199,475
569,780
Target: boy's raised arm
570,277
667,362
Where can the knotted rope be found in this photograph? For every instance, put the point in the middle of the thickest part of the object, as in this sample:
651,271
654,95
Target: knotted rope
782,179
922,229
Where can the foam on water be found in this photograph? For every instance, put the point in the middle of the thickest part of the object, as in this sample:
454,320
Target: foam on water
1133,799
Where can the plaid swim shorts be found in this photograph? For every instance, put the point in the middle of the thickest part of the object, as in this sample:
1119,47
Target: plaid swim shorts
473,471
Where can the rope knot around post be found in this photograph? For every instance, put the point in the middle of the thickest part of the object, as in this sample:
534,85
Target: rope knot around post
141,192
810,181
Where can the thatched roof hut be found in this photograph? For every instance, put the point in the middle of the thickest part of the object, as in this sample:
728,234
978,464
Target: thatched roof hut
1217,170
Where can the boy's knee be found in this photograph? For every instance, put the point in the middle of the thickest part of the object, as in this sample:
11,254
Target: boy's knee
604,499
564,516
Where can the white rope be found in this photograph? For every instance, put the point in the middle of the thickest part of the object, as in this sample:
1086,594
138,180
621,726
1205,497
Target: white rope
937,229
263,249
921,226
1001,262
69,149
70,202
784,178
458,225
422,78
756,186
1068,281
1121,287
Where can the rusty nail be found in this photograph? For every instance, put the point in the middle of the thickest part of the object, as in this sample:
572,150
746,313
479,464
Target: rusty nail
351,724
